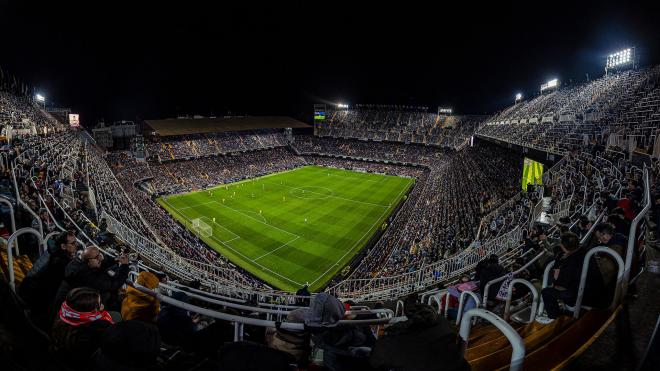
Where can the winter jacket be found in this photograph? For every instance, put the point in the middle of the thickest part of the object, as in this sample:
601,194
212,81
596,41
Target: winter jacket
138,305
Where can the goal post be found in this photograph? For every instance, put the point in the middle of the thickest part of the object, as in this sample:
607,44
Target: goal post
201,228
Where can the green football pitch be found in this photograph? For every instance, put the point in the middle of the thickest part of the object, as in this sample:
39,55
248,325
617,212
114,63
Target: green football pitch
295,227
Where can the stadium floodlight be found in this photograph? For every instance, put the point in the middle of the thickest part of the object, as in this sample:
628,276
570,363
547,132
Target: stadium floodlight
342,105
550,84
40,98
518,97
446,111
620,58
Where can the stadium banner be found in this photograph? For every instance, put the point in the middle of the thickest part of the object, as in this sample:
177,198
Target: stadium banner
532,173
74,120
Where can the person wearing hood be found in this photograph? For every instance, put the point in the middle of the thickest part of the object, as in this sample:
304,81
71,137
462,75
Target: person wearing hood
424,342
138,305
344,348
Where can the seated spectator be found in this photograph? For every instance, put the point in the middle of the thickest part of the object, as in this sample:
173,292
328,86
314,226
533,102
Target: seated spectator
128,346
487,272
91,269
565,278
293,342
344,348
424,342
77,331
138,305
40,285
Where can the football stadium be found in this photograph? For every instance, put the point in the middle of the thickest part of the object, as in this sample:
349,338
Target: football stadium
234,189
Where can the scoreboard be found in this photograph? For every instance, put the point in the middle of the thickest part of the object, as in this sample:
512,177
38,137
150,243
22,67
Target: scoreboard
319,112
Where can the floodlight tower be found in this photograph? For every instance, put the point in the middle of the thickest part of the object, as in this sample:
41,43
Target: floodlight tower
626,58
519,97
41,99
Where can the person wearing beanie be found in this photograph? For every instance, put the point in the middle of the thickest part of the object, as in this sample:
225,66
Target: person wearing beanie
77,331
138,305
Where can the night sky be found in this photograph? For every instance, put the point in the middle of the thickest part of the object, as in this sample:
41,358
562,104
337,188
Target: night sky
119,61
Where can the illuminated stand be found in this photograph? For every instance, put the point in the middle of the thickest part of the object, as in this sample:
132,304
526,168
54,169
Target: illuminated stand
624,59
319,116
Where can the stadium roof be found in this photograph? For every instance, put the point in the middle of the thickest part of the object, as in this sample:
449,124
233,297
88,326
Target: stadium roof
170,127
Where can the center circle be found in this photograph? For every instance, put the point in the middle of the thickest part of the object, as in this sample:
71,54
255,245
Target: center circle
311,192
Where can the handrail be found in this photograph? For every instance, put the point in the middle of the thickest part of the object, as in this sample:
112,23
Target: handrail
249,320
509,295
544,282
399,304
5,201
461,302
632,235
585,270
436,298
517,344
10,258
502,278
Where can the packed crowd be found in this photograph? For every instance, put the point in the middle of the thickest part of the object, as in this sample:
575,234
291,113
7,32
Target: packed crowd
571,117
398,124
201,145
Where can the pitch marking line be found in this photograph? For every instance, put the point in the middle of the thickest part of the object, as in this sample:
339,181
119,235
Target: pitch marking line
272,251
333,196
245,257
253,218
223,227
357,242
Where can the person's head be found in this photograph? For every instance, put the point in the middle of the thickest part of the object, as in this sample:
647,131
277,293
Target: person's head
66,241
93,257
604,232
493,259
584,222
570,242
84,299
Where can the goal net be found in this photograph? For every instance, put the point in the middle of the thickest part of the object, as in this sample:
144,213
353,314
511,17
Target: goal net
203,229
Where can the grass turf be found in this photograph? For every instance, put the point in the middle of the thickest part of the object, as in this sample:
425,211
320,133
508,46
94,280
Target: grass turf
294,227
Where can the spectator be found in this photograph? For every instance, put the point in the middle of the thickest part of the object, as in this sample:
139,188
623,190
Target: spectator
40,285
77,331
344,348
489,271
293,342
565,278
424,342
138,305
91,269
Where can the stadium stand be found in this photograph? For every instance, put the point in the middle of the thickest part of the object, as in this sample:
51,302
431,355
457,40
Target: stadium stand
86,244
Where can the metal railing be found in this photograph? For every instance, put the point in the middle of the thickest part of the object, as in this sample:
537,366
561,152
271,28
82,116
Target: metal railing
517,344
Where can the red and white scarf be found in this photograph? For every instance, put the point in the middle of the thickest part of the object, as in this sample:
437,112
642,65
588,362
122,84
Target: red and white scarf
75,318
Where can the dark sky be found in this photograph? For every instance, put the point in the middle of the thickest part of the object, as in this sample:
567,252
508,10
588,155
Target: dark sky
123,61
